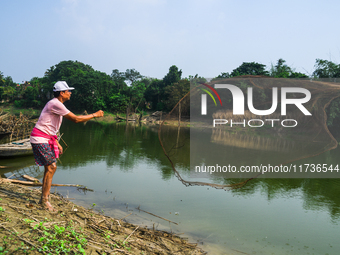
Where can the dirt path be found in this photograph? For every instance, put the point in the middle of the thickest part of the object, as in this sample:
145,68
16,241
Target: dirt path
26,228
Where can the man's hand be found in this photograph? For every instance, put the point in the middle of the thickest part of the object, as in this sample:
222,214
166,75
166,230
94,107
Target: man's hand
98,114
60,149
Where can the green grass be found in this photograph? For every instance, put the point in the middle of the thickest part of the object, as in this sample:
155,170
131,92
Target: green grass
33,113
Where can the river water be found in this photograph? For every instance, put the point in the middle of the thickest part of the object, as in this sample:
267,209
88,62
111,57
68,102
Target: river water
127,169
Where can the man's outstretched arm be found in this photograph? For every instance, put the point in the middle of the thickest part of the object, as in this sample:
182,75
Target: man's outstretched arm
83,118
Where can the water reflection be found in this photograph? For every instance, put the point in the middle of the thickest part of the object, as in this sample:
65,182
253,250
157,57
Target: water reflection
17,165
251,141
116,144
126,145
126,167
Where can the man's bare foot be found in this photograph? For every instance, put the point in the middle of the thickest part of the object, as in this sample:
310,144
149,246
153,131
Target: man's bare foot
47,205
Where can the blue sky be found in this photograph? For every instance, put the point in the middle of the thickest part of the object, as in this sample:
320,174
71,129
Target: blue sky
199,37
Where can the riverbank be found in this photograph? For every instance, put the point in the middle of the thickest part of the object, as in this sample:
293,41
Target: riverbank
148,118
29,229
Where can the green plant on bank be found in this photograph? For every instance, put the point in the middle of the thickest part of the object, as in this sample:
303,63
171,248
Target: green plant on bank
60,240
6,244
28,221
124,245
4,247
107,236
121,244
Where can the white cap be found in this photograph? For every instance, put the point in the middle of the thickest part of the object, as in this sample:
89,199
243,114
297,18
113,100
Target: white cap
61,86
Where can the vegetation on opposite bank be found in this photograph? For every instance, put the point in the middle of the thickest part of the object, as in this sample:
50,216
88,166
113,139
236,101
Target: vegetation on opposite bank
130,92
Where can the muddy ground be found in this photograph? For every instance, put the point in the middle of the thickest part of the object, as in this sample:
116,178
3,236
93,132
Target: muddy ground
26,228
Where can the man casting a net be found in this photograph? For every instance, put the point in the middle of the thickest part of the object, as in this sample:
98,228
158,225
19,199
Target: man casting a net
44,140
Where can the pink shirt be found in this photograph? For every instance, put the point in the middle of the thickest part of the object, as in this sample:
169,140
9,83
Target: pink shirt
50,120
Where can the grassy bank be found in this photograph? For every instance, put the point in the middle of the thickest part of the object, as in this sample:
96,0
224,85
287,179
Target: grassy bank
32,113
29,229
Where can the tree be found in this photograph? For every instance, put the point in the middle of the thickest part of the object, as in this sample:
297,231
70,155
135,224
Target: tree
8,93
156,94
118,78
93,89
2,81
297,75
135,95
66,69
223,76
8,88
131,75
174,75
153,94
31,97
176,92
326,69
281,70
249,68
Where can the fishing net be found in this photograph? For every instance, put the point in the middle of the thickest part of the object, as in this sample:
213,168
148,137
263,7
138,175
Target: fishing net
15,127
205,137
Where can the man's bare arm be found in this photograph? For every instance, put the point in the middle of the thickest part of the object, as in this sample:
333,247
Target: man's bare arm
83,118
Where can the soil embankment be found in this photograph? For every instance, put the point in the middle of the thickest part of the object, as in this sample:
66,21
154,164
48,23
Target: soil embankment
26,228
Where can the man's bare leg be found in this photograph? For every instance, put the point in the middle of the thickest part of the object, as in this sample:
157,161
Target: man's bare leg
47,183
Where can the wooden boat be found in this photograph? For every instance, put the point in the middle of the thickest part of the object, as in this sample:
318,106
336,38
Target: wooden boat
16,148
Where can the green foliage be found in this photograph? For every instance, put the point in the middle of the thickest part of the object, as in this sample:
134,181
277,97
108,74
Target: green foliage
223,75
8,93
157,92
333,112
174,75
66,69
153,94
31,97
176,92
2,80
132,75
281,70
118,102
297,75
28,221
60,239
249,68
7,88
1,92
92,88
95,90
18,103
326,69
119,79
135,94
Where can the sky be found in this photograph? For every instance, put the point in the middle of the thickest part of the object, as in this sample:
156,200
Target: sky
204,37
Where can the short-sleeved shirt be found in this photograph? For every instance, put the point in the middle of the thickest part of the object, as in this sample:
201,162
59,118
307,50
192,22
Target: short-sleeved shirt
50,119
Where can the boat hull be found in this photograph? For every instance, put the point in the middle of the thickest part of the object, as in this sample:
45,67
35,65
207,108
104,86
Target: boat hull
15,149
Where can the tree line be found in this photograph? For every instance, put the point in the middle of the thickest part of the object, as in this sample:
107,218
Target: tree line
131,91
